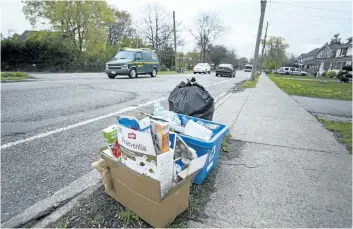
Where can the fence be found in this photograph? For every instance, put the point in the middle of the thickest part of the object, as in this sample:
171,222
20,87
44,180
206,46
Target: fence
58,68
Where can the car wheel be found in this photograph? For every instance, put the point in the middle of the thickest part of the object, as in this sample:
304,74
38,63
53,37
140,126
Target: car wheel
194,72
216,74
209,72
303,74
111,76
286,73
132,73
154,72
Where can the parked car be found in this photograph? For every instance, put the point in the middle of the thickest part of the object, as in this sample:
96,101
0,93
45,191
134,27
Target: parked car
225,70
133,62
292,71
278,71
248,68
202,68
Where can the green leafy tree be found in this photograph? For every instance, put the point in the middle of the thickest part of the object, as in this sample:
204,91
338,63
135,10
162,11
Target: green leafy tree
217,54
276,50
84,21
270,64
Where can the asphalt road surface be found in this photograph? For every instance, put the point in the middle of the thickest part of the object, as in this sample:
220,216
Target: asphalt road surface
333,107
51,126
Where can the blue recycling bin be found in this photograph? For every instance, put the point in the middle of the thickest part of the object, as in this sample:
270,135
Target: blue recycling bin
211,147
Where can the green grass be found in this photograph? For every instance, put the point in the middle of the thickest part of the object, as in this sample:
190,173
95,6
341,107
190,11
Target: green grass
13,76
319,89
170,72
128,216
249,83
342,130
301,77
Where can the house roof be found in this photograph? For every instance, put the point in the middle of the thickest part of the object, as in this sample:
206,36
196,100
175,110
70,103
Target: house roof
312,52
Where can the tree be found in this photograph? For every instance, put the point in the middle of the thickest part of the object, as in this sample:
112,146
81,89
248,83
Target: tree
121,27
335,40
276,50
292,60
231,58
156,27
167,56
217,54
207,29
270,64
242,62
349,40
251,60
84,21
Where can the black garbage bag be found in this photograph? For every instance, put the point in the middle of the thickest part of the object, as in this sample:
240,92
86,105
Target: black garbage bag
191,99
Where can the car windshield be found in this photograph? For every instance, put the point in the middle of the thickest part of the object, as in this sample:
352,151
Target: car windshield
225,65
125,55
248,66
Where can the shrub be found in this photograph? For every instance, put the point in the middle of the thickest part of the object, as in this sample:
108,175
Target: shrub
331,74
163,67
14,75
324,74
172,68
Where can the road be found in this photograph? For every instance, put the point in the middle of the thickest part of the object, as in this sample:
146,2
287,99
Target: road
51,126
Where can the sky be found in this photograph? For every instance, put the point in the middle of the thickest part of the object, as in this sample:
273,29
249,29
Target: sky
304,25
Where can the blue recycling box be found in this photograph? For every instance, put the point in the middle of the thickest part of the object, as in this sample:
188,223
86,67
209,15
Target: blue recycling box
211,147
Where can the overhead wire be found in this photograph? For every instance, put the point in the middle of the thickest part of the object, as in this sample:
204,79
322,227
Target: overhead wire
308,7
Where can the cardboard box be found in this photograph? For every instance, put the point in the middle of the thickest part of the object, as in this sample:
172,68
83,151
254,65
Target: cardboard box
141,194
138,153
135,120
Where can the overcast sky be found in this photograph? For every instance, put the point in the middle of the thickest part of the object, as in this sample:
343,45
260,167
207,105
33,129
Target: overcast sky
303,24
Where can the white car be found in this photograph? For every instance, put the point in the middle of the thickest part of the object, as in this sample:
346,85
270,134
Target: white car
292,71
202,68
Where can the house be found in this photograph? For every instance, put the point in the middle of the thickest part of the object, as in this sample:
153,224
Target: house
328,57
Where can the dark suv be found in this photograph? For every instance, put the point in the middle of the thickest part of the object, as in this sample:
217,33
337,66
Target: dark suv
133,62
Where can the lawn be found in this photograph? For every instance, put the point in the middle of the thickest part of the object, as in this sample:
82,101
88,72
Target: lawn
13,76
329,89
249,83
342,130
171,72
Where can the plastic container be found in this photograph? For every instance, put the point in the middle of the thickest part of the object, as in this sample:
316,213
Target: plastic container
211,147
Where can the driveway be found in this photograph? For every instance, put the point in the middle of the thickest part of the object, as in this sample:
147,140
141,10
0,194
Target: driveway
332,107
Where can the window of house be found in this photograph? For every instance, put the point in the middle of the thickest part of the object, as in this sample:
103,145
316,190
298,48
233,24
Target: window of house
343,51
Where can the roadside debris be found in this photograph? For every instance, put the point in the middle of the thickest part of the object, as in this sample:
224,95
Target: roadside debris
191,99
150,161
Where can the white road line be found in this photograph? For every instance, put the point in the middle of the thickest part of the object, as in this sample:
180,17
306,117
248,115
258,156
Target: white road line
130,108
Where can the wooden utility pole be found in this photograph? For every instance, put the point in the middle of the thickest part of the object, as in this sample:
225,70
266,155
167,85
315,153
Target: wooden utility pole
256,54
263,48
175,47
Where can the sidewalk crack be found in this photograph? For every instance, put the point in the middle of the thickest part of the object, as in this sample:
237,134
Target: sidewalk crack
245,165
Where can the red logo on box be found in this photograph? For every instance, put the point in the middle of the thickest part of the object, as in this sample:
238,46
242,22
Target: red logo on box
132,135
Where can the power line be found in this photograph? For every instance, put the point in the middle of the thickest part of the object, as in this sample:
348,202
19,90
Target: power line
343,18
311,7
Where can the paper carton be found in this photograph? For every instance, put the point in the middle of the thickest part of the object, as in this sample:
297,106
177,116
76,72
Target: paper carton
160,135
138,153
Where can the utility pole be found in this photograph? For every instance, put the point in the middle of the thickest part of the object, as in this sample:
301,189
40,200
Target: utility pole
263,49
175,47
256,55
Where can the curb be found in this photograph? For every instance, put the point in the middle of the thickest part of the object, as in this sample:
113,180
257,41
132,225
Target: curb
50,204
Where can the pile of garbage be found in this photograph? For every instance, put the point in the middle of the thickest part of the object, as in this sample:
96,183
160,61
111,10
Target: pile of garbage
150,160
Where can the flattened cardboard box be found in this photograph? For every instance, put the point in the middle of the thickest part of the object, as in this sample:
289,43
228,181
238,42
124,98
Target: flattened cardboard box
141,194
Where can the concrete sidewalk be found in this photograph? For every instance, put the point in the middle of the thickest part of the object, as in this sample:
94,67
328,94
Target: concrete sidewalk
286,169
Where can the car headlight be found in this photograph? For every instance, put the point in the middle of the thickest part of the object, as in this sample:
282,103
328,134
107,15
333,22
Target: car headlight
106,66
124,66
